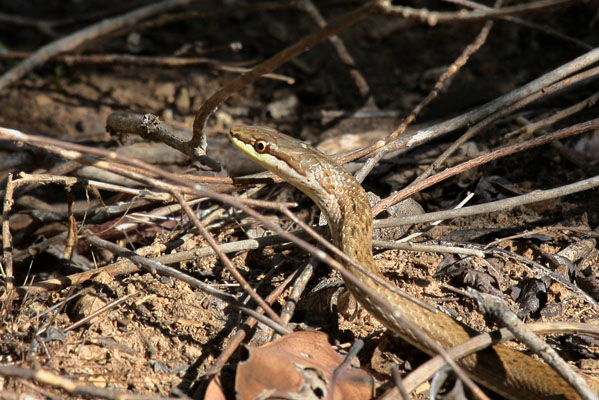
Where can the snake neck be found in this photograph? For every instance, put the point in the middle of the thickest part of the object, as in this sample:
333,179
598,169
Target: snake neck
347,209
355,233
346,206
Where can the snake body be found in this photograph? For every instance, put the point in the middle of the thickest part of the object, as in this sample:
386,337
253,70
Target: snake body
344,202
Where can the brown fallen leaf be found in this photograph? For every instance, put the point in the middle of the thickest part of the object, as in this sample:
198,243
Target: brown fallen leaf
214,391
299,365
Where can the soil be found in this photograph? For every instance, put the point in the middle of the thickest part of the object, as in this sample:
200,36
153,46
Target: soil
165,335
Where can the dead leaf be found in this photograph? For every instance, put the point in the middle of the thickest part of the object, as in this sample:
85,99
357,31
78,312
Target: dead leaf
214,391
299,365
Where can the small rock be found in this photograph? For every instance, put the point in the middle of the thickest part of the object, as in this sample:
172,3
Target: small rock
224,119
589,364
283,108
86,306
165,91
166,115
183,101
193,352
43,100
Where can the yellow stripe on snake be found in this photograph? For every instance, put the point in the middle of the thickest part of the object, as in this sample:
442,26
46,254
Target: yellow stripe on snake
344,202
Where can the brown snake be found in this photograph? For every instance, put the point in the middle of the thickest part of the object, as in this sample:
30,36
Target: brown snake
344,202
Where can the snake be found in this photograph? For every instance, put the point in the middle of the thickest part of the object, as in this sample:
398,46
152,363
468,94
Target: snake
345,204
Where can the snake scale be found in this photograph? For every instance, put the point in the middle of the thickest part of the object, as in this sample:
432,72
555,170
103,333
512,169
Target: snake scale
344,202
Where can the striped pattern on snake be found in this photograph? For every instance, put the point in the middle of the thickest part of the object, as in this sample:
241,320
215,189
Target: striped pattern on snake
344,202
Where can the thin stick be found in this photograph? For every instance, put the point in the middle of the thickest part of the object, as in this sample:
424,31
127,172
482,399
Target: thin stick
441,83
592,73
484,340
432,132
494,206
98,312
156,267
483,159
492,305
241,333
531,25
7,256
7,251
339,46
309,41
432,248
76,39
74,387
433,18
226,261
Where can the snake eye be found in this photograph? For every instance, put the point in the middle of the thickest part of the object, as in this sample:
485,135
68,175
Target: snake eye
261,146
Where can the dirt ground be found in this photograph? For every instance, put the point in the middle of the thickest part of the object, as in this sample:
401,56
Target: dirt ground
165,335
